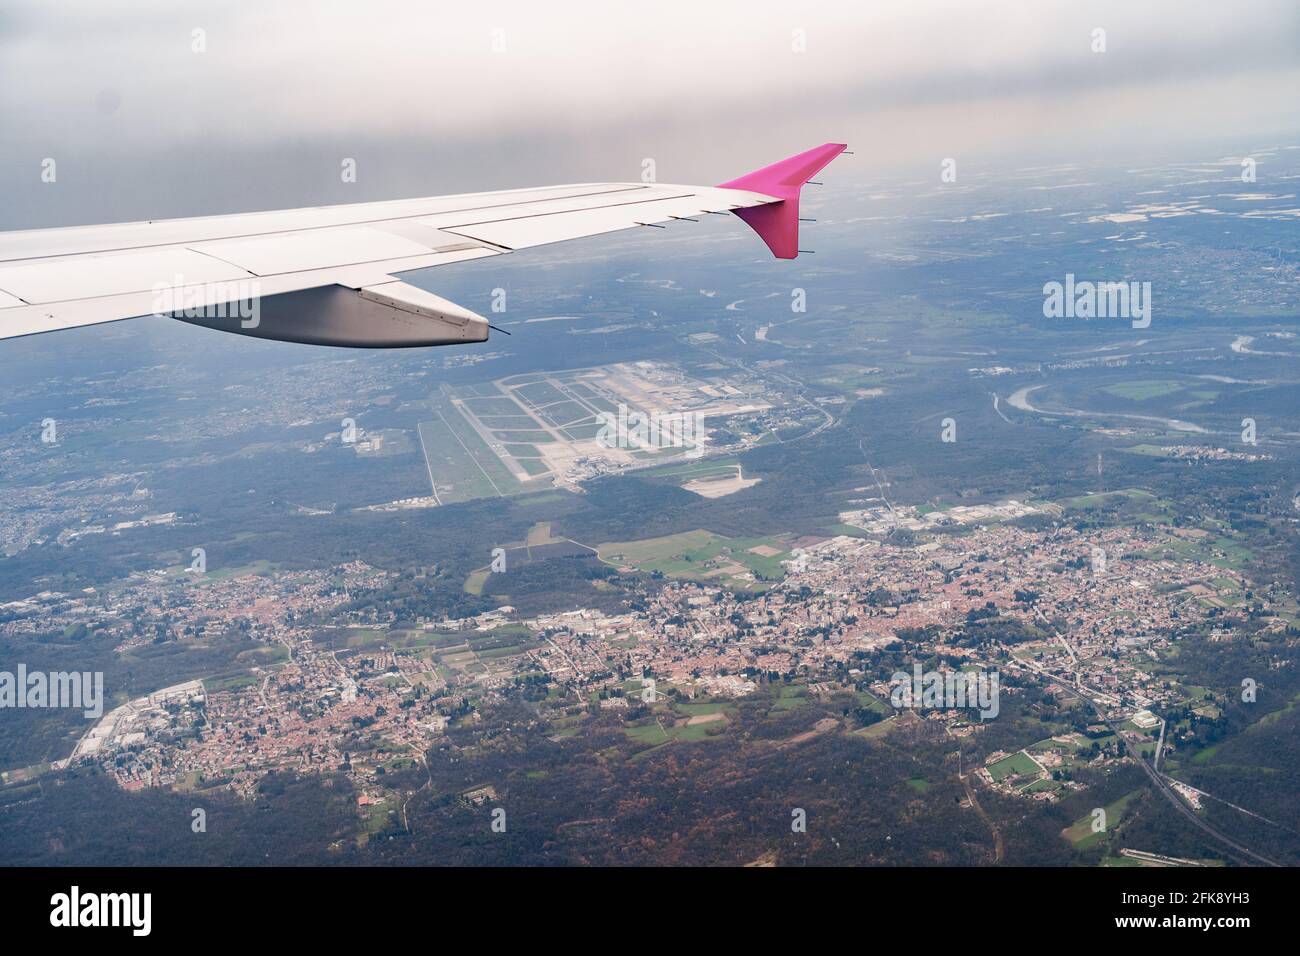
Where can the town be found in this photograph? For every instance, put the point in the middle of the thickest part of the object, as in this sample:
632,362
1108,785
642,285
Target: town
334,689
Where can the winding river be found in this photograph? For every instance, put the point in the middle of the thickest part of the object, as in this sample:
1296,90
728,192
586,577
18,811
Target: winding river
1020,400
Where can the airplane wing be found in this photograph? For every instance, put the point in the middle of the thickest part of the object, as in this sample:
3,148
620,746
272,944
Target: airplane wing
330,275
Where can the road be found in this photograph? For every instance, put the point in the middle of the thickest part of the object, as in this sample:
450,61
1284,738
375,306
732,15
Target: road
997,408
998,848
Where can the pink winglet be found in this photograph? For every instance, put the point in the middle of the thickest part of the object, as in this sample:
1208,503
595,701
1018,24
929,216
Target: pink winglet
777,224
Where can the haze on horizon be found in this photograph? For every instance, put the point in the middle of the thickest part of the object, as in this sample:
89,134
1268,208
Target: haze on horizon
143,126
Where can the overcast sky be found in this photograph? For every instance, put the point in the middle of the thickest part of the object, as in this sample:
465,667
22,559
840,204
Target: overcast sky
141,125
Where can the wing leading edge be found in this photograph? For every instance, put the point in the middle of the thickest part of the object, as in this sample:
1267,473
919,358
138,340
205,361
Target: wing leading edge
330,275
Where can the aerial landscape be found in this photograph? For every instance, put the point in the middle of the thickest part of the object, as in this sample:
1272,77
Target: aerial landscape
429,588
970,537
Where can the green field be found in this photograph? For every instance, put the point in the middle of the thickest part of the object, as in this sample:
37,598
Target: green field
1152,451
507,422
872,702
790,696
878,729
711,468
1143,389
523,451
1075,745
564,413
647,734
535,437
1018,764
493,406
460,463
699,709
662,730
455,476
583,432
699,555
1080,832
1222,552
1089,502
540,393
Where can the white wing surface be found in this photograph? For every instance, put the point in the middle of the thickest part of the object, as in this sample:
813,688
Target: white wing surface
324,275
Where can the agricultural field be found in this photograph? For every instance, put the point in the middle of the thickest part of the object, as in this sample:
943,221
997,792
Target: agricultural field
704,556
681,721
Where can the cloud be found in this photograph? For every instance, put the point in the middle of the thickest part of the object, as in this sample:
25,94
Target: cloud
586,86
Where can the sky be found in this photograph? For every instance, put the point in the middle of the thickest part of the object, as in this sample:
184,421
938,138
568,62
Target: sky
146,118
